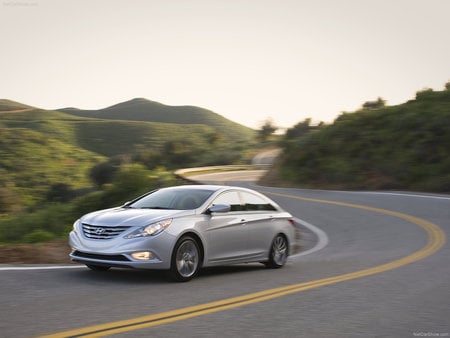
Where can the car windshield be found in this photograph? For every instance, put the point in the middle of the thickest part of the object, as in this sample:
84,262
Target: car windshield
178,199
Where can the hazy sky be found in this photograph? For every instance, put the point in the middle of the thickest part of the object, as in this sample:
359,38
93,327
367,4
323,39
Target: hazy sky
247,60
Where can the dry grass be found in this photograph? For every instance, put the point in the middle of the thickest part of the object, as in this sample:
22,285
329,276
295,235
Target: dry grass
54,252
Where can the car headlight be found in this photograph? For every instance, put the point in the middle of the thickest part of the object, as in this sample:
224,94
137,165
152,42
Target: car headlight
150,230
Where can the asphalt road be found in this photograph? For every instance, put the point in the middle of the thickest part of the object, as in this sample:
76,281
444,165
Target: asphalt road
373,264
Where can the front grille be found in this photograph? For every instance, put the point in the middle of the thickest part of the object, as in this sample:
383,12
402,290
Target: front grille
102,232
102,257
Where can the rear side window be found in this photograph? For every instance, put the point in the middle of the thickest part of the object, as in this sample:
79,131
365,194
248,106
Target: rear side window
230,198
256,203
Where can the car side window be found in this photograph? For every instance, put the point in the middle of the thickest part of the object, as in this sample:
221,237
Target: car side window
256,203
230,198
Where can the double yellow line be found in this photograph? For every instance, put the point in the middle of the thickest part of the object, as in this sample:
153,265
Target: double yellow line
436,239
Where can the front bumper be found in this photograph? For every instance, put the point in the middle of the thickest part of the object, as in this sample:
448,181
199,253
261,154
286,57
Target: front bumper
118,252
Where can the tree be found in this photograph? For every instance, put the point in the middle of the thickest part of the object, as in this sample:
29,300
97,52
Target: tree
424,93
267,129
379,103
299,129
60,192
102,173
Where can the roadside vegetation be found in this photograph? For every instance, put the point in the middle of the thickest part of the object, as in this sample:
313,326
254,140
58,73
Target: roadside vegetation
378,147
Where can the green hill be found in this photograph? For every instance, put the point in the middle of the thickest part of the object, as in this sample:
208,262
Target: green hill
404,147
41,148
140,109
8,105
38,149
30,162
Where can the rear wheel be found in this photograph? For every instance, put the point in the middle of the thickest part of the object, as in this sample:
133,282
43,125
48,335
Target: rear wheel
278,252
94,267
185,262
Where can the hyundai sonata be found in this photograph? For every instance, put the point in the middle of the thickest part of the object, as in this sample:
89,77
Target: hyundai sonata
184,228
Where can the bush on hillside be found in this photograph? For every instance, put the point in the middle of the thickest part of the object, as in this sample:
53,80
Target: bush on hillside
38,236
402,147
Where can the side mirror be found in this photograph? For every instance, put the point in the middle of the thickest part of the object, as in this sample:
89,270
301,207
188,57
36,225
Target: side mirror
219,208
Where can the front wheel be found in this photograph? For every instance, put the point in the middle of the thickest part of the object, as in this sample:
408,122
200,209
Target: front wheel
278,252
185,262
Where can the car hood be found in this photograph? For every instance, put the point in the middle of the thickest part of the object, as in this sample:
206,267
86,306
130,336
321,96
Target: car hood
131,217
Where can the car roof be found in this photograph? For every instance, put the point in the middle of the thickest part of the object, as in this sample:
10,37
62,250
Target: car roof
217,189
212,187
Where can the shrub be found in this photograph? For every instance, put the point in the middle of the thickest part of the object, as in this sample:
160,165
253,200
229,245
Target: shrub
38,236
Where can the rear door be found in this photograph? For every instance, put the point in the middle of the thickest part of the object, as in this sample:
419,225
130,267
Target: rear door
260,224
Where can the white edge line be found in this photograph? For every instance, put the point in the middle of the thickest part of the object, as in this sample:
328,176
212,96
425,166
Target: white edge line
19,268
405,195
402,194
321,243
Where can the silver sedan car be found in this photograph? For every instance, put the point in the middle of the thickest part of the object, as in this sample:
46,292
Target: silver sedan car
184,228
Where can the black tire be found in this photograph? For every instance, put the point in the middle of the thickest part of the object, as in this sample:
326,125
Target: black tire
186,259
279,252
94,267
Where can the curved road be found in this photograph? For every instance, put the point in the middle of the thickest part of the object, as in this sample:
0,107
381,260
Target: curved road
382,270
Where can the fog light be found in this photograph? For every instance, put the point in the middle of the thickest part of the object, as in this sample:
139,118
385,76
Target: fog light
142,255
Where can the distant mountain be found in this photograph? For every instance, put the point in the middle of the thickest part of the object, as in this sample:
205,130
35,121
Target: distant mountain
141,109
